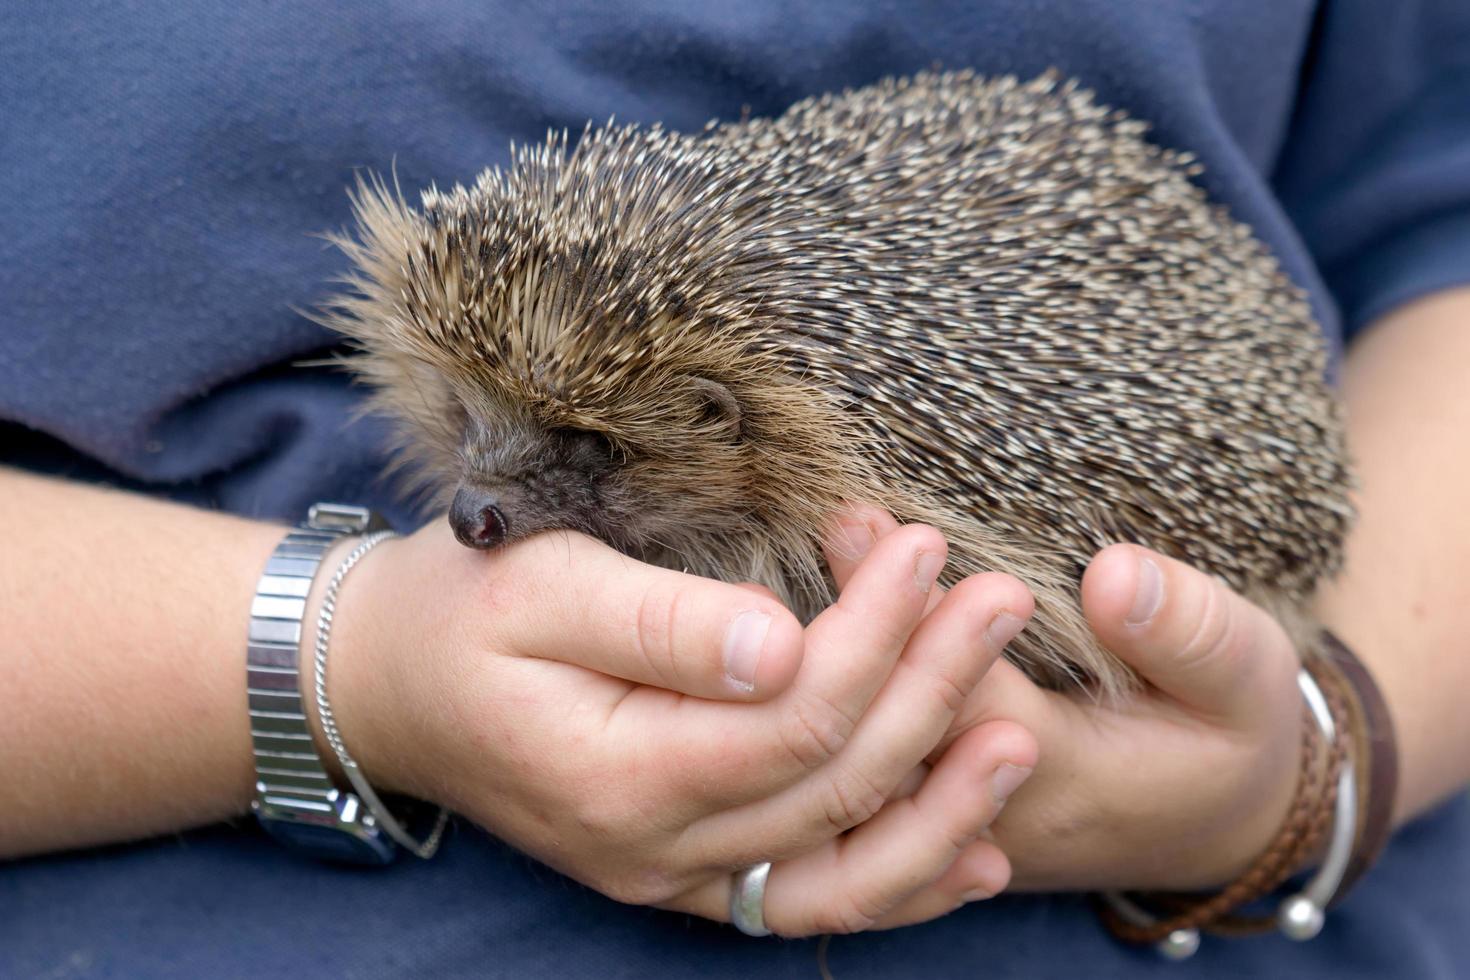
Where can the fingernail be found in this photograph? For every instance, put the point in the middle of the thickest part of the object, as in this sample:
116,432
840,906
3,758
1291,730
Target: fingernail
743,643
1005,781
1148,594
1003,629
926,570
977,894
857,538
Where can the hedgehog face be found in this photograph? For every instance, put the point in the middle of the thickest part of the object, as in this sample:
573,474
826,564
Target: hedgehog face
526,465
591,342
518,479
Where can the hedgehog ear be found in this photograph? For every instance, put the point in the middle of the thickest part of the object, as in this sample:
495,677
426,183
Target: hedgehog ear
719,406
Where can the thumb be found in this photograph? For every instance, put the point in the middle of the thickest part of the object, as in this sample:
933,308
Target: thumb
1188,634
580,602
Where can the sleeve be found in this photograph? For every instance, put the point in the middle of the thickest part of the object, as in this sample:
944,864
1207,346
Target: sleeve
1376,170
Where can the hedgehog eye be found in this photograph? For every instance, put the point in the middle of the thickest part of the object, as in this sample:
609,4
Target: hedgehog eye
718,406
583,444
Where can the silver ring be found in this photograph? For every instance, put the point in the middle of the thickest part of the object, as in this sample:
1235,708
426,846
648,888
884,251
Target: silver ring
748,899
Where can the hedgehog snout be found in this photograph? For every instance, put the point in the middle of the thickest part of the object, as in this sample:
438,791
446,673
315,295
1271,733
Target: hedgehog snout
477,519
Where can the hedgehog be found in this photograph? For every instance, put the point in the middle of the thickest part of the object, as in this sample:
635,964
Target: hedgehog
987,305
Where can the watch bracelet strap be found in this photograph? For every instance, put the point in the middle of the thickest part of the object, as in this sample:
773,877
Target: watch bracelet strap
291,780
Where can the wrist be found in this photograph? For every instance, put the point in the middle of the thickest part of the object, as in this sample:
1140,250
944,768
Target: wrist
356,682
1326,808
1262,807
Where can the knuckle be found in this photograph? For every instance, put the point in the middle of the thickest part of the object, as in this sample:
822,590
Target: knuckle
948,690
636,881
616,887
649,886
605,819
872,627
960,836
815,730
654,630
1217,631
852,799
887,631
848,916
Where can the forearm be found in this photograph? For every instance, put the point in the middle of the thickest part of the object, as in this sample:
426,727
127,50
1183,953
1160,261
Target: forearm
123,680
1403,601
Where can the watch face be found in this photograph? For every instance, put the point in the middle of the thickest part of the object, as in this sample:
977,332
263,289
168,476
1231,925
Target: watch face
357,846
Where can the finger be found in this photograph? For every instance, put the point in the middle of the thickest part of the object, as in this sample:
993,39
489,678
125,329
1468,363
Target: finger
850,884
727,755
982,871
910,784
649,625
909,844
1187,633
1006,693
852,646
723,755
853,535
944,659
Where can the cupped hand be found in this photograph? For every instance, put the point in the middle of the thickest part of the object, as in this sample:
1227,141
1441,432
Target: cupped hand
648,732
1182,786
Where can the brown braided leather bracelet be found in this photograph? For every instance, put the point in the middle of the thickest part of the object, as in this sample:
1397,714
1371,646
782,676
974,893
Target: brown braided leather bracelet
1347,785
1377,759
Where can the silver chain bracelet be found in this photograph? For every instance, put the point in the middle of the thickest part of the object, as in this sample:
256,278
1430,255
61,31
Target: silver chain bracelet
386,820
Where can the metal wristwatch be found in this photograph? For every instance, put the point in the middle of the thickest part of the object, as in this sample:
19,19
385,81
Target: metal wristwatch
295,800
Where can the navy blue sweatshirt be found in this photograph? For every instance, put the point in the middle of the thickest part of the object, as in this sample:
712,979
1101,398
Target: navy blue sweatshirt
165,167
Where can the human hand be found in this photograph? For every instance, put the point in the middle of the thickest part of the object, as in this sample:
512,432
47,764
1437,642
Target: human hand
581,706
1183,786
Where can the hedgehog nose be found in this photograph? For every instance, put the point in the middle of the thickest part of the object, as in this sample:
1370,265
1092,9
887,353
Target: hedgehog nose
477,521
